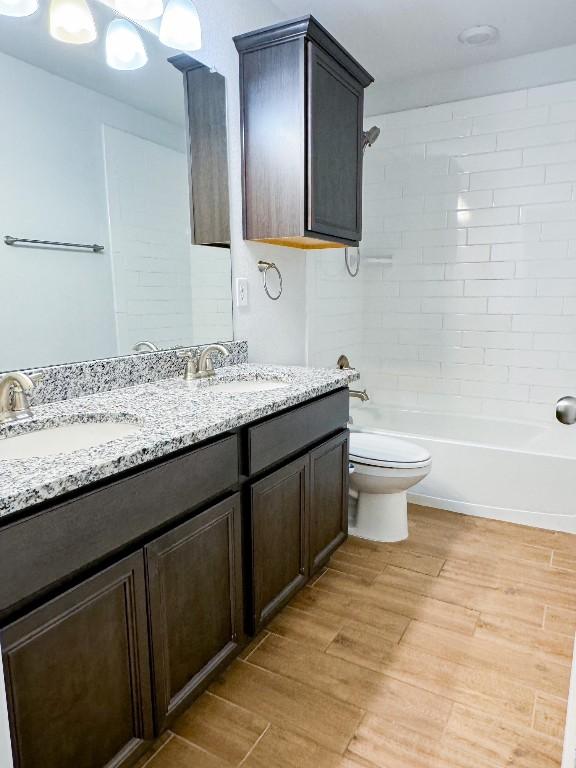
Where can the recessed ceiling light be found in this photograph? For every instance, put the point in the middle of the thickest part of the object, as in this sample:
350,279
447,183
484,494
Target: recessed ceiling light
482,35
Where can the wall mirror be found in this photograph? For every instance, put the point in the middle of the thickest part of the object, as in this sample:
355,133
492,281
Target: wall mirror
96,156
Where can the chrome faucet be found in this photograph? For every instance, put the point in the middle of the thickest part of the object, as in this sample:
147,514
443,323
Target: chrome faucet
205,364
14,390
360,394
145,346
201,367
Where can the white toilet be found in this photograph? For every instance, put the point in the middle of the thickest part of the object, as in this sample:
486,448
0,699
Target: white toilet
384,468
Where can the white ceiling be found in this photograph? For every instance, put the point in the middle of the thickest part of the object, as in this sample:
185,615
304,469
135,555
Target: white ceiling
156,88
407,39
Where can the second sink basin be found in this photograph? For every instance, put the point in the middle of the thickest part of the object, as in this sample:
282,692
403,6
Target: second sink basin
66,438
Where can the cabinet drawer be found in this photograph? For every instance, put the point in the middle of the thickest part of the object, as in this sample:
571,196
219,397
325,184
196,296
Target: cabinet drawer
42,550
284,435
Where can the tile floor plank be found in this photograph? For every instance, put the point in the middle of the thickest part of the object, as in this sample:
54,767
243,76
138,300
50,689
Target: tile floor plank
288,703
178,753
483,689
549,715
402,602
344,681
282,749
560,620
221,728
451,649
317,629
346,608
536,670
512,633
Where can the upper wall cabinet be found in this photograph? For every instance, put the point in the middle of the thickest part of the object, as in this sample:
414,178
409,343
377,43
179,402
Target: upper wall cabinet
205,95
302,99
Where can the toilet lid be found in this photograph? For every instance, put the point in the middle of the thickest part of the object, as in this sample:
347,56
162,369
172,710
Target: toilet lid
382,450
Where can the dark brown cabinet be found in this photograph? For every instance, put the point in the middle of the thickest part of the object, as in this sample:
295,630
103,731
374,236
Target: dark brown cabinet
196,613
204,544
328,499
278,531
302,101
205,97
77,674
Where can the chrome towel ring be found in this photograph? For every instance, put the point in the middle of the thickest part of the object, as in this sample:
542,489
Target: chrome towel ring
351,271
264,267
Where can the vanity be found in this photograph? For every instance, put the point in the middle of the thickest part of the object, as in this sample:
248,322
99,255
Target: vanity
122,598
158,505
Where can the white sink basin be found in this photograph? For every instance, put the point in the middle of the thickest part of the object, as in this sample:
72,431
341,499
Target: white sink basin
238,387
66,438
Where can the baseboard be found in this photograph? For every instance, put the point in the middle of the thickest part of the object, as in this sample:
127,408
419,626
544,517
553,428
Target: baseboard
565,523
569,753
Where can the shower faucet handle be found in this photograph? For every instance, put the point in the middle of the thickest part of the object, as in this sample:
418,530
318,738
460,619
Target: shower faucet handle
566,410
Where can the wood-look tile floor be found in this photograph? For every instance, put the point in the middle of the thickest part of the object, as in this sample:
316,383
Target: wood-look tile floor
449,650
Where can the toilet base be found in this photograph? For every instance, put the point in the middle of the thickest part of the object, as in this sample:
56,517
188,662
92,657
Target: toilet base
381,517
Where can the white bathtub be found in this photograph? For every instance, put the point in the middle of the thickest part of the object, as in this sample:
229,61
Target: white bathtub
508,470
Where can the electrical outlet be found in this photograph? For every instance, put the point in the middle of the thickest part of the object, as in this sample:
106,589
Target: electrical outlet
241,292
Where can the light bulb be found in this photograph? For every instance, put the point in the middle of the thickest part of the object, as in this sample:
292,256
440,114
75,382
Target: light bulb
141,10
124,46
71,21
180,27
18,7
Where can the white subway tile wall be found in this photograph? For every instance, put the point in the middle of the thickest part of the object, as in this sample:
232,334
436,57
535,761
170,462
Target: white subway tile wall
475,203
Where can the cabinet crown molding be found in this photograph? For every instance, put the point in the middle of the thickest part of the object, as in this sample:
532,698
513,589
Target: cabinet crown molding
310,28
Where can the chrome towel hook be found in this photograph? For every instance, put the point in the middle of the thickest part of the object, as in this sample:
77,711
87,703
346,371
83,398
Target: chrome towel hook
264,267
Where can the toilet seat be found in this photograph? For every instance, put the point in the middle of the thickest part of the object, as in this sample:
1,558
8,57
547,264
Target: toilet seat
377,450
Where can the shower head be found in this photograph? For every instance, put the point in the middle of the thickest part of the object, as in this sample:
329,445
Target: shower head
370,136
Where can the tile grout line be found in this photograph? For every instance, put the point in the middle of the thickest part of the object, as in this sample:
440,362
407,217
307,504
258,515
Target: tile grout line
245,658
157,752
253,747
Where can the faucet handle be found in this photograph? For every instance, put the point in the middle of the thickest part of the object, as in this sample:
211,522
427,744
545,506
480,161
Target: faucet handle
36,378
191,370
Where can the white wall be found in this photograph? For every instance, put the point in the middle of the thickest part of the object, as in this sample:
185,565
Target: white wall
476,203
53,171
556,65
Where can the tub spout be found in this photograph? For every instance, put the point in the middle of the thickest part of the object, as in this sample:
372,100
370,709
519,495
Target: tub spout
360,394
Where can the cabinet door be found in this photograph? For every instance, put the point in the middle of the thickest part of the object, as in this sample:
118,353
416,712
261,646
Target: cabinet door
77,675
335,107
328,499
279,513
195,594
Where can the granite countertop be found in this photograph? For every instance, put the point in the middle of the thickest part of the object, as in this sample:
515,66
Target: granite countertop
168,415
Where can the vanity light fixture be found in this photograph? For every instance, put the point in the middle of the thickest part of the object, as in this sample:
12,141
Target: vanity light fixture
71,21
18,7
180,26
124,47
140,10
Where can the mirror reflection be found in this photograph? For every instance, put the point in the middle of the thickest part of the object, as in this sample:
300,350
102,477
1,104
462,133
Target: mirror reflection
105,164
